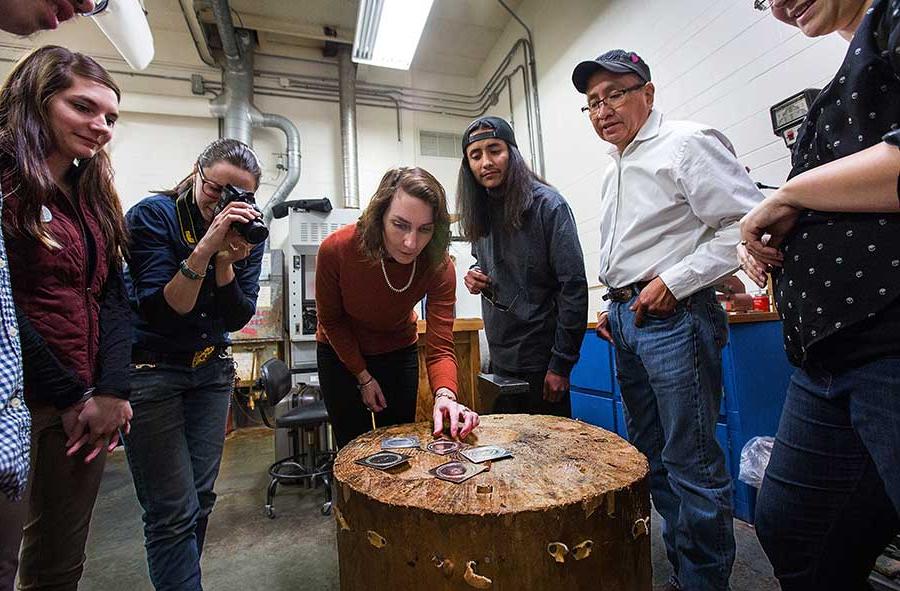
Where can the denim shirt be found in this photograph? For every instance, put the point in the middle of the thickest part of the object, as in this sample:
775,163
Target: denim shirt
155,253
538,317
15,421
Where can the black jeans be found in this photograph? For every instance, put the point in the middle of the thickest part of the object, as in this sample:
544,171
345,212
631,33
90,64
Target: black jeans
396,372
829,500
531,402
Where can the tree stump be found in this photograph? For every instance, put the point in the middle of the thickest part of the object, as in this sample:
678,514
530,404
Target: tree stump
570,510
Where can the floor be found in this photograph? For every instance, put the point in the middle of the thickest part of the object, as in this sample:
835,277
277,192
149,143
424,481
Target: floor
246,551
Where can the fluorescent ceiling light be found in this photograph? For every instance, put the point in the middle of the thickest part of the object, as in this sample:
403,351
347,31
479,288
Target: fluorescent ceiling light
388,31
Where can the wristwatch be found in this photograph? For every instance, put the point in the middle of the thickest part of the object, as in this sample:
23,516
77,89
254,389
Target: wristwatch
188,272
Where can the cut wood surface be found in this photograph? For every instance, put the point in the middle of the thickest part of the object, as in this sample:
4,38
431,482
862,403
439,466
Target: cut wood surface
570,510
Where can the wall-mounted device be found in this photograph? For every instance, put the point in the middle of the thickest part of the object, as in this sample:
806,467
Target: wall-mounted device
789,114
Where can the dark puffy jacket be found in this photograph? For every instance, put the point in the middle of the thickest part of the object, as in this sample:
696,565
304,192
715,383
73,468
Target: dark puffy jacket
73,297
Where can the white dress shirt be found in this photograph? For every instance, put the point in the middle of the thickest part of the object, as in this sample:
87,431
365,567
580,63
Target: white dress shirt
670,207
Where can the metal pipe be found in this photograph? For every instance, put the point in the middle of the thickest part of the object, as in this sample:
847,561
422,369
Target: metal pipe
235,104
292,136
349,146
222,14
193,26
534,86
420,93
332,98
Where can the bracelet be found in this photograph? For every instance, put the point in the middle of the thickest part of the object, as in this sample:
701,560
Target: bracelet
364,384
190,273
447,394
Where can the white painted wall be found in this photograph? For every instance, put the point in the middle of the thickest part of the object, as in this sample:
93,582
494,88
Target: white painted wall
717,62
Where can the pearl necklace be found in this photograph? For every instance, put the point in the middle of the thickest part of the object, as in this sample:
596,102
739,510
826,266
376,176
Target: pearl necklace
408,283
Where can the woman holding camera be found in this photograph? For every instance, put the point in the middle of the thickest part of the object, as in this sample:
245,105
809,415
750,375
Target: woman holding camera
369,278
194,279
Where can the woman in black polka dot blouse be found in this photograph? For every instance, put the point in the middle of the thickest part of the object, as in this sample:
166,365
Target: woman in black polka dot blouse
830,499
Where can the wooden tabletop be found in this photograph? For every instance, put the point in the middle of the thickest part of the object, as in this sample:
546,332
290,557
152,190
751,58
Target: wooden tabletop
459,325
555,462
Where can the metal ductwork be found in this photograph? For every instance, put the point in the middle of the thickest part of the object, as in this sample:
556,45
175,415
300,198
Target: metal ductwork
235,104
292,134
349,146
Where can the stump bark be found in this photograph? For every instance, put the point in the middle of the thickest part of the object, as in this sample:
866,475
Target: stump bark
570,510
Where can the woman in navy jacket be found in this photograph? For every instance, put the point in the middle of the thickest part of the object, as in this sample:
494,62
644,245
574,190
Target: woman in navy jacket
194,279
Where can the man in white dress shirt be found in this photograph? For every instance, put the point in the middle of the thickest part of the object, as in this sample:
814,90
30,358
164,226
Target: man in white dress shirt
670,204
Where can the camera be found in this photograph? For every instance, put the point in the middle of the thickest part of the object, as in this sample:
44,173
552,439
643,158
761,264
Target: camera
253,232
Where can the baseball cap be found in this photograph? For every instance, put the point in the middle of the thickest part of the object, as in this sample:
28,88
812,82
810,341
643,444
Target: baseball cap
498,128
616,60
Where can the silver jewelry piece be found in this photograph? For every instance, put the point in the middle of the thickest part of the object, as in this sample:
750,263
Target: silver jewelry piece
408,283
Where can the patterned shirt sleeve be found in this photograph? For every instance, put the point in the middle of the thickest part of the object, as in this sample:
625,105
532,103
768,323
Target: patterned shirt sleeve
15,421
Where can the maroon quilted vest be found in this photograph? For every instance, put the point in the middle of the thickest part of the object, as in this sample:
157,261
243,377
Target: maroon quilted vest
52,286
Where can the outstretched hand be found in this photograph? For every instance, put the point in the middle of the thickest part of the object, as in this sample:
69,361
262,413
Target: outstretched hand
463,420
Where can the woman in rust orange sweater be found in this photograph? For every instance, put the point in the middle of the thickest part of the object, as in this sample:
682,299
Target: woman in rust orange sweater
369,278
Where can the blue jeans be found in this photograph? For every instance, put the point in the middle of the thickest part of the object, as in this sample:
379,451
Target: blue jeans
174,450
670,373
829,501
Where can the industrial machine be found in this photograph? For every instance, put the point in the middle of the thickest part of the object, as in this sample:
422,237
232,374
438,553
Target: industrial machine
310,221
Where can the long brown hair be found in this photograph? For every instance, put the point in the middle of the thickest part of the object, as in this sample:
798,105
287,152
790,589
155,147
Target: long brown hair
419,183
26,141
516,194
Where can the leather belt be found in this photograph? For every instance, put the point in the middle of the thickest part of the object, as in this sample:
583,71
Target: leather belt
183,359
624,294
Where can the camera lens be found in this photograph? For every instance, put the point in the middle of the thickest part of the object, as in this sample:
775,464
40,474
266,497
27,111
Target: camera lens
254,232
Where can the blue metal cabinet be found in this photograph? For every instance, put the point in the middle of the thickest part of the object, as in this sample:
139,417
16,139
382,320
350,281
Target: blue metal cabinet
756,374
592,383
594,407
593,372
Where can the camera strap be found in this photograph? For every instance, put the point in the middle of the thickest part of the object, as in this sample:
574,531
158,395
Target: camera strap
188,214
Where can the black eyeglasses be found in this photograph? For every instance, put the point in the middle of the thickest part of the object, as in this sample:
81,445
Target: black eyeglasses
211,188
613,100
762,5
491,297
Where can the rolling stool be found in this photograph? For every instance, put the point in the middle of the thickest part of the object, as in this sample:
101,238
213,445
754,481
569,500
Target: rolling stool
301,466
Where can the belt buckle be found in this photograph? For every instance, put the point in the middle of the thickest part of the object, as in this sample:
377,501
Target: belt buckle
202,356
620,294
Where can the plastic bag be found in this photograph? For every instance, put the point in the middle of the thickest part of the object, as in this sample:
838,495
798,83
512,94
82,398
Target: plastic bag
754,459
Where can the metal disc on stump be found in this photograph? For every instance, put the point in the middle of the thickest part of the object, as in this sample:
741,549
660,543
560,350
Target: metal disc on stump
570,510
